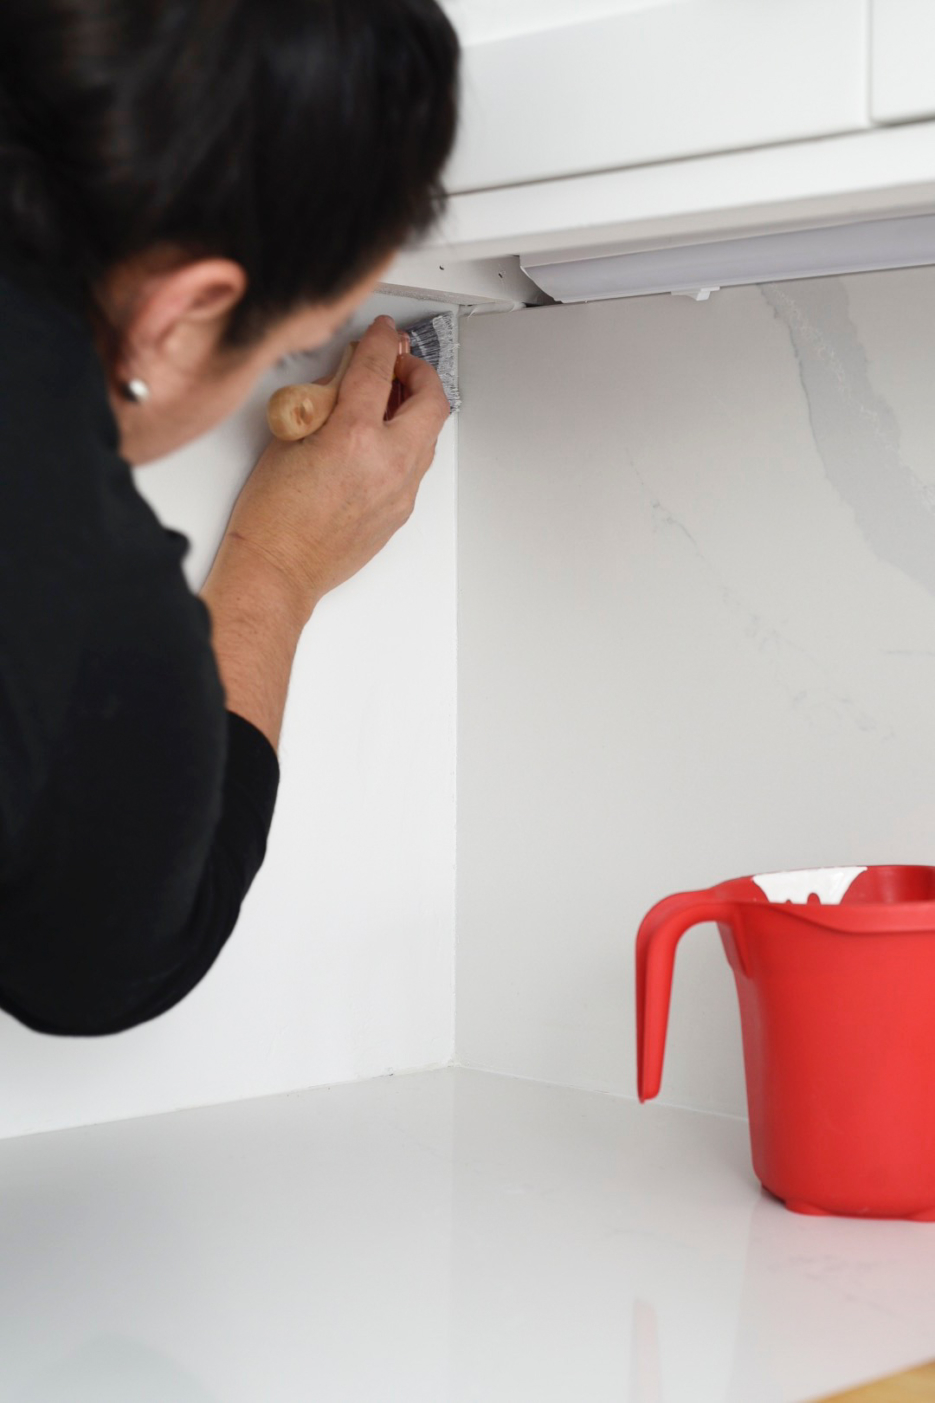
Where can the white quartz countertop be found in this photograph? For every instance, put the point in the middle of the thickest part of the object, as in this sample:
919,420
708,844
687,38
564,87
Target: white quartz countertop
441,1237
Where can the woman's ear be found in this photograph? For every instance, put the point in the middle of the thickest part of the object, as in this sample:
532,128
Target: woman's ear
202,291
179,314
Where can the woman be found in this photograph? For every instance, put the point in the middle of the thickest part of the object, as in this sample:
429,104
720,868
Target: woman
189,191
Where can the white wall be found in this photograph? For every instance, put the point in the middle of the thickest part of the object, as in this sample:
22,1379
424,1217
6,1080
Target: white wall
341,964
696,640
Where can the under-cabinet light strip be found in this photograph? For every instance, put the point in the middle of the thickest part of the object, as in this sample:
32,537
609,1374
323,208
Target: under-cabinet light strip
868,246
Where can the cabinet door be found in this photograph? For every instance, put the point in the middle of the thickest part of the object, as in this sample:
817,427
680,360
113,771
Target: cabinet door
903,60
668,78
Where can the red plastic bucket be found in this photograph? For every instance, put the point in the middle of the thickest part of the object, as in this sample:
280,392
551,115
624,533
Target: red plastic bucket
837,1009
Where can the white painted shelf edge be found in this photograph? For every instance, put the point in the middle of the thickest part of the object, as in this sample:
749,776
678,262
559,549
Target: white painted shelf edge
800,185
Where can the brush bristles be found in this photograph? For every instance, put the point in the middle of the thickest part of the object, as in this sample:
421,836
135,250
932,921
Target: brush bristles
436,342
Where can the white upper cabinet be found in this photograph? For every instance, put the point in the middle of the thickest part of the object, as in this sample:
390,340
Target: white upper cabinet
902,74
595,128
659,80
477,21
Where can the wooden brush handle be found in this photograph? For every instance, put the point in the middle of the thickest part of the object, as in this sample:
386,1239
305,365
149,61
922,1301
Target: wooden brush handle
296,411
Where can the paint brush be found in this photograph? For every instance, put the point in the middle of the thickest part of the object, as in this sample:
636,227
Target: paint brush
296,411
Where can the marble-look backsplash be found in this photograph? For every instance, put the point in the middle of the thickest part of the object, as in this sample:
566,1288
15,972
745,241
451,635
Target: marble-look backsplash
855,428
696,640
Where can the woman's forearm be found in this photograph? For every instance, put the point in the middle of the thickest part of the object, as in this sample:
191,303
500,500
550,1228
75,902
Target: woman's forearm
314,512
256,621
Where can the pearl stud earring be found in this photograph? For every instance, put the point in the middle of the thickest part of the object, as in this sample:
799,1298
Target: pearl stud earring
136,390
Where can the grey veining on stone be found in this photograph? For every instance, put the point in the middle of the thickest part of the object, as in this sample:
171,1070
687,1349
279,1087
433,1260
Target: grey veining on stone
808,681
855,430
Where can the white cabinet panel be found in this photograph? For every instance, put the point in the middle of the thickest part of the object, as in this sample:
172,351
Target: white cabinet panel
903,60
670,79
479,21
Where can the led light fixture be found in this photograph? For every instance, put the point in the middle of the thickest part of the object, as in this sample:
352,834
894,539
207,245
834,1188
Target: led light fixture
697,269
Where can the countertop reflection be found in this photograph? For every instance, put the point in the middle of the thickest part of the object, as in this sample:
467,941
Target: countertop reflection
449,1236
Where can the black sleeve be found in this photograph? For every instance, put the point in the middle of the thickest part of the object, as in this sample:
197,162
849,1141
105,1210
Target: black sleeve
100,999
134,807
95,993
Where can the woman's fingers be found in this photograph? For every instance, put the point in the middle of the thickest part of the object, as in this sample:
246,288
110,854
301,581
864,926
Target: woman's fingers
397,395
365,388
424,412
418,411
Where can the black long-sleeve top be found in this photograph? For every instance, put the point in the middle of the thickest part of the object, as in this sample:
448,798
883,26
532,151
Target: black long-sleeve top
134,808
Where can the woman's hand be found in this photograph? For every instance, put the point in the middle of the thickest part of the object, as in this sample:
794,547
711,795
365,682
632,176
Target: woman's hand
319,509
311,514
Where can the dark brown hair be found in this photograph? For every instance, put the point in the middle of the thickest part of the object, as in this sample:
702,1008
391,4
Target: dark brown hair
303,138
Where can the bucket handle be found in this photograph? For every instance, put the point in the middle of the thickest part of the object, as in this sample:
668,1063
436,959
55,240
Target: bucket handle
659,933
